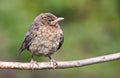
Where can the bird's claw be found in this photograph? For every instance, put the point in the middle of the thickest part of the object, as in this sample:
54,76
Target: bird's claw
32,63
53,63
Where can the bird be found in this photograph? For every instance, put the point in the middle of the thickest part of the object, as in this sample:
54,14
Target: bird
44,37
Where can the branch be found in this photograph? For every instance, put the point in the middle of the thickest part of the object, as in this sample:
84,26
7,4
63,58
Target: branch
61,64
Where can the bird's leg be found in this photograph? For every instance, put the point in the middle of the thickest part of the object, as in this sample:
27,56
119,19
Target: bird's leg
32,62
53,62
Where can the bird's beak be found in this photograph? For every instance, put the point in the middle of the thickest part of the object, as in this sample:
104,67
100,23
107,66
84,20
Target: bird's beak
58,19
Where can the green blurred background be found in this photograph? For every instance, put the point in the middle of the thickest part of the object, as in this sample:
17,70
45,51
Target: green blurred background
91,28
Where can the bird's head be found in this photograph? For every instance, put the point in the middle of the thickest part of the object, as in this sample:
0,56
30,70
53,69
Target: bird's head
48,19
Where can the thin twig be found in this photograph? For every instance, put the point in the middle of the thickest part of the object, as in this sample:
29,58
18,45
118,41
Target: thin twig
61,64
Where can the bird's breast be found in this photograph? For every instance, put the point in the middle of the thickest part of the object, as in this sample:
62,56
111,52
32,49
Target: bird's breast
46,42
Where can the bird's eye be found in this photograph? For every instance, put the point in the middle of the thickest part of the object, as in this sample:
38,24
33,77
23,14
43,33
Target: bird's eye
49,20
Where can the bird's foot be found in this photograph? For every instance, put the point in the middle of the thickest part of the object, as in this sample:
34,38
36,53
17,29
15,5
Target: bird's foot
53,63
32,63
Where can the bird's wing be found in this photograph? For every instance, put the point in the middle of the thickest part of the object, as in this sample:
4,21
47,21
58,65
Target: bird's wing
61,41
26,43
28,39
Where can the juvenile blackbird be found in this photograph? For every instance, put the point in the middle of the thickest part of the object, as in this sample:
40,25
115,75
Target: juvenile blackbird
44,37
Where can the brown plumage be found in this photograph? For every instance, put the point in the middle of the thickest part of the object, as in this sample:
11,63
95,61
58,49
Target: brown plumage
44,37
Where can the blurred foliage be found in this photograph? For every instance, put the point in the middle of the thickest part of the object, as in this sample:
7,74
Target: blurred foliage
91,28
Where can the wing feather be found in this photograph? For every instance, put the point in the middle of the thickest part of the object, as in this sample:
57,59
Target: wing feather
26,43
29,38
